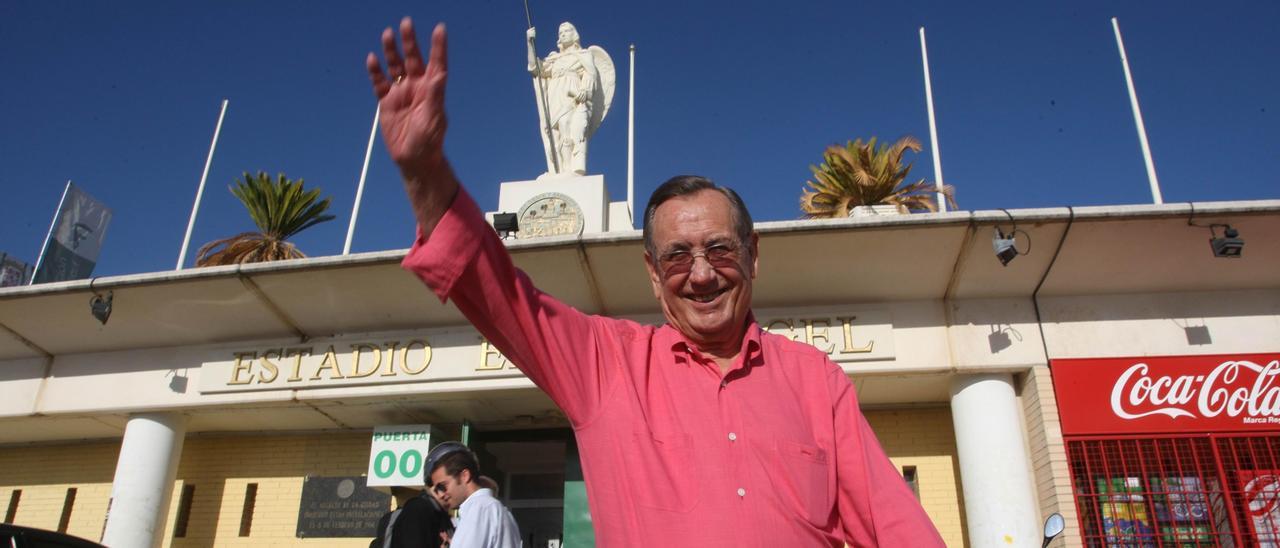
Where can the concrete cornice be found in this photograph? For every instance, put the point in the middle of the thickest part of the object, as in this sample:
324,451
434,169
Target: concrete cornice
931,256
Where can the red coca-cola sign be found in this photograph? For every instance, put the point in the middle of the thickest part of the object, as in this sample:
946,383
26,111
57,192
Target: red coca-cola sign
1218,393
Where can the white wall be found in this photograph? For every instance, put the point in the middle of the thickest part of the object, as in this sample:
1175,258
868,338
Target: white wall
1156,324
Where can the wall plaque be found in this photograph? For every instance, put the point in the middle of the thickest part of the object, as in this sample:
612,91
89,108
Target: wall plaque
334,507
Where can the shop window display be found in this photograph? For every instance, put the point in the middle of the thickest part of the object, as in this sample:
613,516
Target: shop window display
1184,491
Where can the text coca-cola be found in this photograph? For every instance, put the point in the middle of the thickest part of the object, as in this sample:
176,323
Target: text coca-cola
1235,388
1168,394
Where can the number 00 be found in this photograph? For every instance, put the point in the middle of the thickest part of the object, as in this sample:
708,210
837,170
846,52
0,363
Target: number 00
409,466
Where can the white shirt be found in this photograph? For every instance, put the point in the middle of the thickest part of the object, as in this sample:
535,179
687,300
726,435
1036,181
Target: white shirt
483,522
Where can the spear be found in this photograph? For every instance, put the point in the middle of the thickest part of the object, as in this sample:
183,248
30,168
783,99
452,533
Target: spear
539,88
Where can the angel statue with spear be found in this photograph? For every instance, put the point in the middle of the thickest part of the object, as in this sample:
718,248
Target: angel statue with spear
574,88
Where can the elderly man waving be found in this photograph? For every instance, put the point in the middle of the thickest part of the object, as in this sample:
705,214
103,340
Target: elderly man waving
705,431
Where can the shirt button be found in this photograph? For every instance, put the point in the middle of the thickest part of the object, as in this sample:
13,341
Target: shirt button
724,383
742,492
733,437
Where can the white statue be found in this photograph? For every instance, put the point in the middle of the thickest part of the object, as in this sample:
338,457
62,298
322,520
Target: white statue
574,88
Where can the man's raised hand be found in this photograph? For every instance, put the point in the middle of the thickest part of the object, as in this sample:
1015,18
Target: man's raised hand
411,105
411,98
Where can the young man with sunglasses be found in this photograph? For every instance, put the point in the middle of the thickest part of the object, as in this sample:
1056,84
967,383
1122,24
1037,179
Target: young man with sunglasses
455,480
706,431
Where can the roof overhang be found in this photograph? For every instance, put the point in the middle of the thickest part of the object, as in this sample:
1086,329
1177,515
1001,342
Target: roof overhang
1074,251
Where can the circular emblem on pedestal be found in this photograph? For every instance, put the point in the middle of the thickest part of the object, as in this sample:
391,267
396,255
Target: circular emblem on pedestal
550,214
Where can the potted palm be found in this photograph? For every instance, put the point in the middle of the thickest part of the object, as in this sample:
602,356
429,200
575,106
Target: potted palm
861,178
280,208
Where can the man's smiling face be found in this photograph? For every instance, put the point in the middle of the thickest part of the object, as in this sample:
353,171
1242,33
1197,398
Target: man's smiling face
703,272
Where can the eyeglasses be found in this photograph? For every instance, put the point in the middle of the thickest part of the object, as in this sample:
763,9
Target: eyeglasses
680,261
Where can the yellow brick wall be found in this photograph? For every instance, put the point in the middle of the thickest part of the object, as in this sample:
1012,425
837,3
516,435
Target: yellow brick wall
44,473
1048,453
219,467
925,438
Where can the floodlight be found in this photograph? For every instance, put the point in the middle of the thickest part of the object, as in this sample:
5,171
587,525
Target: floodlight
100,306
1229,246
505,224
1004,247
1005,244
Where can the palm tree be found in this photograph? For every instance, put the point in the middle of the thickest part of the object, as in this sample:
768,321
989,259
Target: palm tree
280,208
859,174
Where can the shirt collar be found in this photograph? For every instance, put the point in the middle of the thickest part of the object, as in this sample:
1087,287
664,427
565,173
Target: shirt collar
480,493
680,346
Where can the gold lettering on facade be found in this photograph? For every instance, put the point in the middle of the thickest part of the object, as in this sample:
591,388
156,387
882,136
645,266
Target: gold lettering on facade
368,360
812,335
330,361
391,359
296,354
242,366
846,324
356,351
817,333
270,371
426,357
487,351
784,322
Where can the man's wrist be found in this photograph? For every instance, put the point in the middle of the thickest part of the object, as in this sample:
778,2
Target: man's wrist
431,191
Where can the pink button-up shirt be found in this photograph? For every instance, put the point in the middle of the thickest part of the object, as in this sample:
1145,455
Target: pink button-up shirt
774,453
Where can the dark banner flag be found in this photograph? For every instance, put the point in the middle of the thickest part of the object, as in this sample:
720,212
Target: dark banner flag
76,238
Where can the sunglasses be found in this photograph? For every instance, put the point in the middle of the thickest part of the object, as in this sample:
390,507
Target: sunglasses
681,261
438,488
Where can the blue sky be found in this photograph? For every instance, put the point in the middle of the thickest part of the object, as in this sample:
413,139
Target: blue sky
122,98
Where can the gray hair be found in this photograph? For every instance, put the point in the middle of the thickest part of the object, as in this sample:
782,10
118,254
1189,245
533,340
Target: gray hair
685,185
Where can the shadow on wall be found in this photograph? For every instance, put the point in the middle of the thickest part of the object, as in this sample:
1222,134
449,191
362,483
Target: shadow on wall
999,339
1197,335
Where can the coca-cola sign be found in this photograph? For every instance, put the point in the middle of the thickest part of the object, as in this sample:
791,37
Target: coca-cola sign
1234,392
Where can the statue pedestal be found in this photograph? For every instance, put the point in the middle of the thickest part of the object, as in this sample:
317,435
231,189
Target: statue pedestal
557,205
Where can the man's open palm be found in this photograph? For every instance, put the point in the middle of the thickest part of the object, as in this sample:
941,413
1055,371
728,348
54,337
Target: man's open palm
411,99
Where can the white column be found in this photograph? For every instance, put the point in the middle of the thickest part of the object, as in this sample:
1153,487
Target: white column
144,479
999,498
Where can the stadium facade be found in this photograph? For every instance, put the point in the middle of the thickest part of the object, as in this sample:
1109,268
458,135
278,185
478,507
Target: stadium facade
215,403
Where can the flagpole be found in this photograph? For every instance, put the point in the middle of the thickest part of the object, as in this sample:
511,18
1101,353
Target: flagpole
364,171
47,237
1137,118
631,140
933,125
191,224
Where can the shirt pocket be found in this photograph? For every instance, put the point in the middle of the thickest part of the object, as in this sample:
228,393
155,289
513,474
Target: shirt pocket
662,471
806,476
